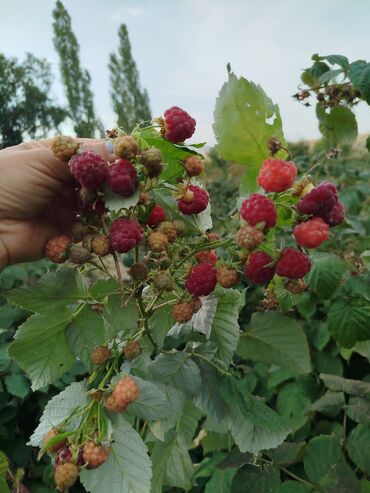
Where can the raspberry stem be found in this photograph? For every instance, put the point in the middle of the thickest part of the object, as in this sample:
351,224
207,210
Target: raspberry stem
144,316
208,246
201,356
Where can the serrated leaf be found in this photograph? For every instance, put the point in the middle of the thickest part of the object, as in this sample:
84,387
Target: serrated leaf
152,403
208,400
253,479
17,385
326,273
293,487
287,453
220,481
330,404
161,323
120,318
292,404
347,385
349,321
202,320
214,442
40,347
179,467
359,75
188,422
115,202
104,287
128,469
340,60
331,74
4,464
358,409
276,339
4,488
358,446
339,126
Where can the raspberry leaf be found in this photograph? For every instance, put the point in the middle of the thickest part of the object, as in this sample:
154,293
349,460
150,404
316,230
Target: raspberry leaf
252,479
357,446
349,321
115,202
326,273
338,126
293,487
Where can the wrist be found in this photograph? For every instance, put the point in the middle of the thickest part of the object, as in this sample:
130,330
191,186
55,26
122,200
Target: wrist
4,257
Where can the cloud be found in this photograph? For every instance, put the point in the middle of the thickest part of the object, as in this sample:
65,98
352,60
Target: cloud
120,15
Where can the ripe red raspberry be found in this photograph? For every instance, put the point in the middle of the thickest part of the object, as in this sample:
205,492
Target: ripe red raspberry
95,455
56,249
126,147
182,312
312,233
101,246
195,303
168,229
178,125
152,160
336,215
249,237
194,165
194,200
293,264
207,257
139,271
65,476
156,216
78,254
125,234
259,268
126,391
122,177
202,280
131,350
64,147
89,169
52,434
277,175
319,201
158,242
101,355
227,277
259,209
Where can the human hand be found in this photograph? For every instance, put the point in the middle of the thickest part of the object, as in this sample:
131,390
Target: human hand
36,198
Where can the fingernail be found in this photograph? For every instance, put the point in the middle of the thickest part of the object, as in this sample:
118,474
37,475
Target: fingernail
109,147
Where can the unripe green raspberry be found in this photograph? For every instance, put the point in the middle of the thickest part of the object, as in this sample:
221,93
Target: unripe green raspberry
163,281
152,159
126,147
78,254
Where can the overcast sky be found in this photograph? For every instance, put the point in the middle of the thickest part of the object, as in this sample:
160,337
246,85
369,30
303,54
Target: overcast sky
182,47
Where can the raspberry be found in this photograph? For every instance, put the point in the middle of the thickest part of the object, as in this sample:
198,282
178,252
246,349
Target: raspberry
125,392
78,254
163,281
101,355
152,160
126,147
259,209
296,286
101,246
125,234
178,125
319,201
194,202
180,227
249,238
56,249
207,257
156,216
65,475
87,241
52,434
64,148
89,169
202,280
79,230
336,215
195,304
213,236
95,455
168,229
277,175
194,165
122,177
227,277
131,350
293,264
182,312
158,242
139,271
112,405
274,145
312,233
259,269
97,395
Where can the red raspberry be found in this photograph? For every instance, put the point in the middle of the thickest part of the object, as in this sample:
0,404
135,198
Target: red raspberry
249,238
95,455
312,233
131,350
122,177
259,268
336,215
259,209
194,165
65,475
52,434
125,234
126,147
293,264
227,277
202,280
182,312
56,249
101,355
178,125
158,242
101,246
207,257
194,202
126,391
319,201
156,216
277,175
89,169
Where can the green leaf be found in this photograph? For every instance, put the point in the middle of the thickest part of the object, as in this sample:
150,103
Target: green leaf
252,479
220,481
40,347
188,422
340,60
276,339
293,487
120,318
128,468
326,273
292,404
54,291
330,404
347,385
4,488
214,442
160,323
17,385
331,74
349,321
245,119
358,446
4,465
287,453
359,75
152,403
203,319
115,202
358,409
209,400
340,126
179,467
365,486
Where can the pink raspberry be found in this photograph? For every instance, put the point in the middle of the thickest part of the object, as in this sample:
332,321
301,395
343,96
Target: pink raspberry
156,216
195,200
336,215
277,175
178,125
125,234
319,201
259,268
259,209
293,264
207,257
89,169
202,280
312,233
122,177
